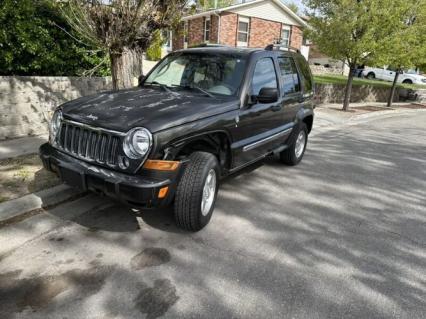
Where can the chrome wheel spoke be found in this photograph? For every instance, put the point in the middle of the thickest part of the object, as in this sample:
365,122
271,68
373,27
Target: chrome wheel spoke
209,191
300,144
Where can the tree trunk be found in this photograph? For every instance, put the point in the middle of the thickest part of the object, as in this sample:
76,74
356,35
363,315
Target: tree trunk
348,89
393,89
126,68
117,81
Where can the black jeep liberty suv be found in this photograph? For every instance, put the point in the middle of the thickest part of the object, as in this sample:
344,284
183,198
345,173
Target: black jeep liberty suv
199,115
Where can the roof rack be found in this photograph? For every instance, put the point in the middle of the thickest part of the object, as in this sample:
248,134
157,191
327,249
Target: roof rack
207,45
281,47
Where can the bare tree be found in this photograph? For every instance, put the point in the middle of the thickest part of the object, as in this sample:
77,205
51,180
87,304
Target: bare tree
123,28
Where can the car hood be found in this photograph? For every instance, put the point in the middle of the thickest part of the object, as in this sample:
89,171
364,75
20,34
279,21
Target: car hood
152,108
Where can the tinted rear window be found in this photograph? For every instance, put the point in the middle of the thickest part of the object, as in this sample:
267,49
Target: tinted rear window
305,73
289,75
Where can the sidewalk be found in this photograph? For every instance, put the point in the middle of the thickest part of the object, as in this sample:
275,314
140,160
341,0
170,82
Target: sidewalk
327,115
21,146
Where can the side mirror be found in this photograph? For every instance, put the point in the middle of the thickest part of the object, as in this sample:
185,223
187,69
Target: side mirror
267,95
141,78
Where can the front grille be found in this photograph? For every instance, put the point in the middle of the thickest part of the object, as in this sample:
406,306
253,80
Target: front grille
90,144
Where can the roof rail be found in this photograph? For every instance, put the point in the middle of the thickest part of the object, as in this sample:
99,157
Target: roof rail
207,45
281,47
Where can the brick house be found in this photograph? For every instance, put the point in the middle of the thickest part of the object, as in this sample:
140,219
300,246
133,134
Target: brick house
248,24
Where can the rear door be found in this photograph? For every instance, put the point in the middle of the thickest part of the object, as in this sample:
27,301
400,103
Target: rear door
291,87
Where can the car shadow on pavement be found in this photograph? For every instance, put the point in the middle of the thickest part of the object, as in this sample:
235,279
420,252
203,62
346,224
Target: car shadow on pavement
341,235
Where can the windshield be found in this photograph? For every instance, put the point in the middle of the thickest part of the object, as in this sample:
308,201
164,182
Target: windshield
411,71
215,74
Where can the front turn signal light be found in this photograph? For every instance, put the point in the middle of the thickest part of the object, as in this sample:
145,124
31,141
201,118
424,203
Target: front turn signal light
163,192
161,165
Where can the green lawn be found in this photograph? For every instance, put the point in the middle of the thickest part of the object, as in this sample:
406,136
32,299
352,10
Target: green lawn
340,79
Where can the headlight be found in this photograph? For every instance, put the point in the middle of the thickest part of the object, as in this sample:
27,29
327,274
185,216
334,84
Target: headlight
55,124
137,143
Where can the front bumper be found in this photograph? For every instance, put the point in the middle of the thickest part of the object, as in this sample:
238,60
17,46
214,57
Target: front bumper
140,190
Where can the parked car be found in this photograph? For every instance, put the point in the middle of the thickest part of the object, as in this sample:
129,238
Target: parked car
200,115
388,74
358,71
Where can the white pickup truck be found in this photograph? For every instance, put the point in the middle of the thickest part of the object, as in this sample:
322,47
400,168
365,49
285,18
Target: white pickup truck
388,74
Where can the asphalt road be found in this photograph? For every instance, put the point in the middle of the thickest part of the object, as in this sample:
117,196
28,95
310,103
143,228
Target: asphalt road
343,235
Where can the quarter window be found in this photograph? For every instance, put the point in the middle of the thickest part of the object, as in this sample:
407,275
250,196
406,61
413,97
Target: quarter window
289,74
207,30
243,31
305,73
264,76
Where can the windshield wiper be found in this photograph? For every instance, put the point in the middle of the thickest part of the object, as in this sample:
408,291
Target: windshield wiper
164,87
187,87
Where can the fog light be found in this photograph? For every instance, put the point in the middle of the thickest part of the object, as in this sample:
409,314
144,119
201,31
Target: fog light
123,162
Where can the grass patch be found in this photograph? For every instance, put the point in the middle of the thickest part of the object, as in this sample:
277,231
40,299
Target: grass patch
341,79
23,175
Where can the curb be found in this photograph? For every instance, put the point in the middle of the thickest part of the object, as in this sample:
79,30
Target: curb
43,199
375,114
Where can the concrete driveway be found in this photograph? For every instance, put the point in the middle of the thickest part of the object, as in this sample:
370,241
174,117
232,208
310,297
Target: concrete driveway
343,235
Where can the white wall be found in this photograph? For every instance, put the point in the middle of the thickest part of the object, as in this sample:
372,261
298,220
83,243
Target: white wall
27,102
267,10
304,50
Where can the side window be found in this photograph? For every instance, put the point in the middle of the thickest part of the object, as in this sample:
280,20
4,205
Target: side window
305,73
289,74
264,76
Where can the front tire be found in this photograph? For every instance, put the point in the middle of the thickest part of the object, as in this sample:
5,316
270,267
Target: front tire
407,81
294,153
197,191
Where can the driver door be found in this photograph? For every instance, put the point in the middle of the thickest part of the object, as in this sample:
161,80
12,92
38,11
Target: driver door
258,123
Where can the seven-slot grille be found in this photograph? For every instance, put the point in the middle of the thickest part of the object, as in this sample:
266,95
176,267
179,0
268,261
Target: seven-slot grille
89,144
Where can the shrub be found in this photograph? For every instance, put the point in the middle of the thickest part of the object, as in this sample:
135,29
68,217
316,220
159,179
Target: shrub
153,53
36,40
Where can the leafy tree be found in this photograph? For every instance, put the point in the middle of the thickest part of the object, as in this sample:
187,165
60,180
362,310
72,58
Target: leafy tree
292,6
153,53
32,42
123,28
405,47
213,4
351,31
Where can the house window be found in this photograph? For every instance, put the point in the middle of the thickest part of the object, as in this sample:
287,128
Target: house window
167,36
243,31
185,34
285,35
207,29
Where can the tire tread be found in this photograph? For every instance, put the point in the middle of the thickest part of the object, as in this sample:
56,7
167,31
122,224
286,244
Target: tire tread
186,208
